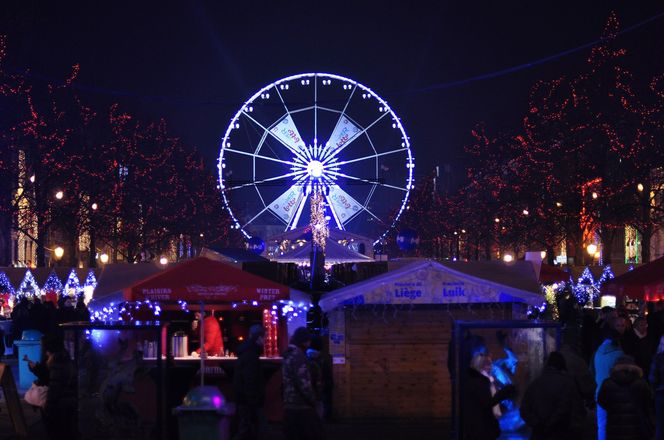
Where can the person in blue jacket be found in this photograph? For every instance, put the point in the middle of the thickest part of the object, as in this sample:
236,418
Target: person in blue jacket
604,359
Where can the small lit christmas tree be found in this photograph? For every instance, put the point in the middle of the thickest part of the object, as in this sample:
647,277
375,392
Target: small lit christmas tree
607,275
585,290
6,285
90,281
53,284
73,285
29,285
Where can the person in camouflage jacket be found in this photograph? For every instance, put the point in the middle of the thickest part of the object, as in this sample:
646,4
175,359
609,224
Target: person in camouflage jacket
301,421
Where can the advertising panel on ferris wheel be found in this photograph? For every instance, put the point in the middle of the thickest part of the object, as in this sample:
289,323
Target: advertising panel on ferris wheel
343,205
342,135
285,206
287,132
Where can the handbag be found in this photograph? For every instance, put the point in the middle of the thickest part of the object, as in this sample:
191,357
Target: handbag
36,395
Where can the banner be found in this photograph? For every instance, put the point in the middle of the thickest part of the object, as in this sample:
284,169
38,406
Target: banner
286,204
286,131
343,204
343,134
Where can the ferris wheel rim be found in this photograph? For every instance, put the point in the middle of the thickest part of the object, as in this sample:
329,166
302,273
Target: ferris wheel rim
405,147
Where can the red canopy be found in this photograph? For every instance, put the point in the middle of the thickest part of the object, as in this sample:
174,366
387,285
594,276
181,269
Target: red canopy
202,279
645,282
552,274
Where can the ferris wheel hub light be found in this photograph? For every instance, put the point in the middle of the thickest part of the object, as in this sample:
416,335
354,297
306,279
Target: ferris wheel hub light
315,169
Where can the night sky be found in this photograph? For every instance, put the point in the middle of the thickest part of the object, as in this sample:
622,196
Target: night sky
194,63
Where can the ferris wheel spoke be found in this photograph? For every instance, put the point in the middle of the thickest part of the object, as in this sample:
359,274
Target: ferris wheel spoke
255,217
298,212
271,179
373,156
260,156
354,135
334,212
372,182
282,141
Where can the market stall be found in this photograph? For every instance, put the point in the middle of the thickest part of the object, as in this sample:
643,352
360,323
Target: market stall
237,299
389,336
645,283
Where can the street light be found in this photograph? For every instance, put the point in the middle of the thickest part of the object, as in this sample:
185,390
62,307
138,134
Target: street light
58,252
592,249
103,258
163,261
525,212
508,258
640,187
94,206
594,195
543,254
59,195
497,220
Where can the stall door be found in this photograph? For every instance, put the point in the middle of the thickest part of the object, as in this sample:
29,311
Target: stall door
396,363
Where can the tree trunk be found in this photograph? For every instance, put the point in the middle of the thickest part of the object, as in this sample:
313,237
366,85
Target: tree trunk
71,254
550,257
92,250
42,231
646,237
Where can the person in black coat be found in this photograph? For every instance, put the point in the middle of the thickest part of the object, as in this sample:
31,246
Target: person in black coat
626,398
552,402
60,410
657,381
638,343
249,385
479,421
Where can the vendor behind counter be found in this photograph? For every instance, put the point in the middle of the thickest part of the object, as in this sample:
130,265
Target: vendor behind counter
224,330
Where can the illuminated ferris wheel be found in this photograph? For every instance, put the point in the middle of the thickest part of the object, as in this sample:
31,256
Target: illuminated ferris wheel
315,133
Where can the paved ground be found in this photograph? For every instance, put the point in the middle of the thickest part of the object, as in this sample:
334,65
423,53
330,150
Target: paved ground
346,430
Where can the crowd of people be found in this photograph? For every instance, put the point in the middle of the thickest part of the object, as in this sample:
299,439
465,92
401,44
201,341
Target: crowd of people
307,387
45,316
606,382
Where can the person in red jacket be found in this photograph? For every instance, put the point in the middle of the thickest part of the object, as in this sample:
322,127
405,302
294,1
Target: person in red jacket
214,343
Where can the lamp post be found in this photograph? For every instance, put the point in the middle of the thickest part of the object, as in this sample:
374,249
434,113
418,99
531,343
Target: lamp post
592,251
58,252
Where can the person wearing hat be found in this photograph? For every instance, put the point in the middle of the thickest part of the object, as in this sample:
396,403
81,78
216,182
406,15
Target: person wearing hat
249,385
626,397
301,421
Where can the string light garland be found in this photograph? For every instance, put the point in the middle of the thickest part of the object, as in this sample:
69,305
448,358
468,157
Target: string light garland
319,224
551,294
598,125
270,324
129,182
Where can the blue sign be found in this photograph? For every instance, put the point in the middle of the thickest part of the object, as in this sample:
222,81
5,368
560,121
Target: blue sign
256,245
408,240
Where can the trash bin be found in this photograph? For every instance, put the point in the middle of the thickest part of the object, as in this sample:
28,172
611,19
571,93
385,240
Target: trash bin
30,346
204,413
